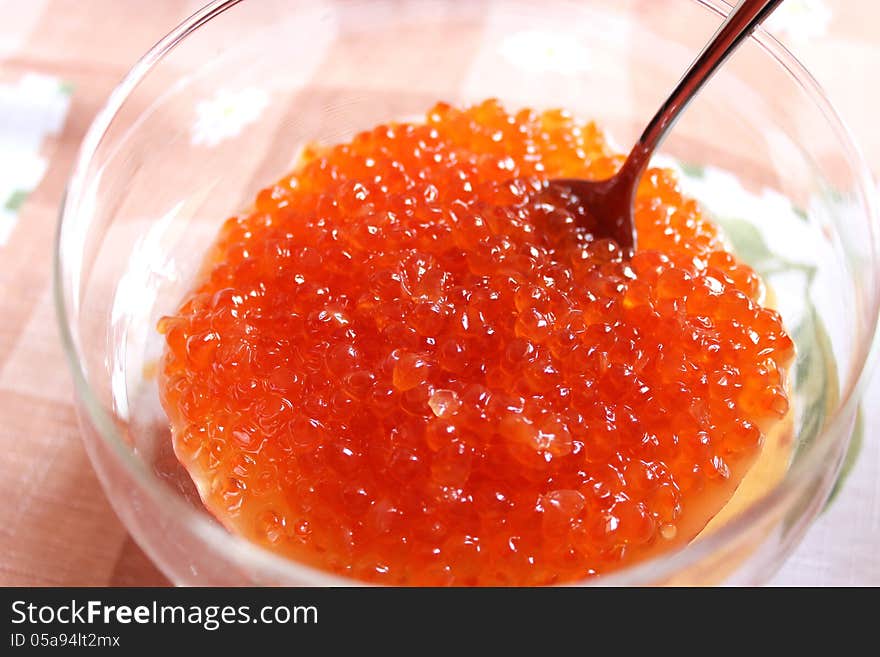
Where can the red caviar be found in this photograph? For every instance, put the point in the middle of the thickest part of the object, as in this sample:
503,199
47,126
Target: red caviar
410,362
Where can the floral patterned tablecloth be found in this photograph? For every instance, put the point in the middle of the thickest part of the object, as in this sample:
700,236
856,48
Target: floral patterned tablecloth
58,61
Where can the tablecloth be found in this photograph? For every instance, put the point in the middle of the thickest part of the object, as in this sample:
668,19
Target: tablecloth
58,61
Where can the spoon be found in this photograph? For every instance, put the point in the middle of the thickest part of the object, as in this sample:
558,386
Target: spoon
611,201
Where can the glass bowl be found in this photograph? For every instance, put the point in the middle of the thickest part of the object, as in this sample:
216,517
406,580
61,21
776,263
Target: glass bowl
220,106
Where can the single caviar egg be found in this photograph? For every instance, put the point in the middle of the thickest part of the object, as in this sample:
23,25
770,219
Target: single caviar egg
412,362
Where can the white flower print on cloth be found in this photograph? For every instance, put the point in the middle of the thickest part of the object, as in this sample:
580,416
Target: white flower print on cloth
548,52
799,21
30,110
226,114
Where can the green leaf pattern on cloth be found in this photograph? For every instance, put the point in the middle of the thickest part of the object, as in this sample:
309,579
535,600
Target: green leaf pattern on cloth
31,108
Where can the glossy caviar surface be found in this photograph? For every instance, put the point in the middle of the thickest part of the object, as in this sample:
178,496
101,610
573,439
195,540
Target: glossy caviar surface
411,363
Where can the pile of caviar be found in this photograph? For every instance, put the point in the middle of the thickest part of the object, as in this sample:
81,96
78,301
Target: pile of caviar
412,362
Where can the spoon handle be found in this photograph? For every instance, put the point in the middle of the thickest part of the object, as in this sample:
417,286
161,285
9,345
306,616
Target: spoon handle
742,20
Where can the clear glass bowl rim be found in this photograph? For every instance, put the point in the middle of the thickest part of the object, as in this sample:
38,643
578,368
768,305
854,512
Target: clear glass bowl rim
286,570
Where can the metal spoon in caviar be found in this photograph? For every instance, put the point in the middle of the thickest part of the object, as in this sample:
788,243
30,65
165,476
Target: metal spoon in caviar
610,202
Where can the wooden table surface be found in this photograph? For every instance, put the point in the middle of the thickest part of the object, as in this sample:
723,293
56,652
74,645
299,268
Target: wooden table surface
58,61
